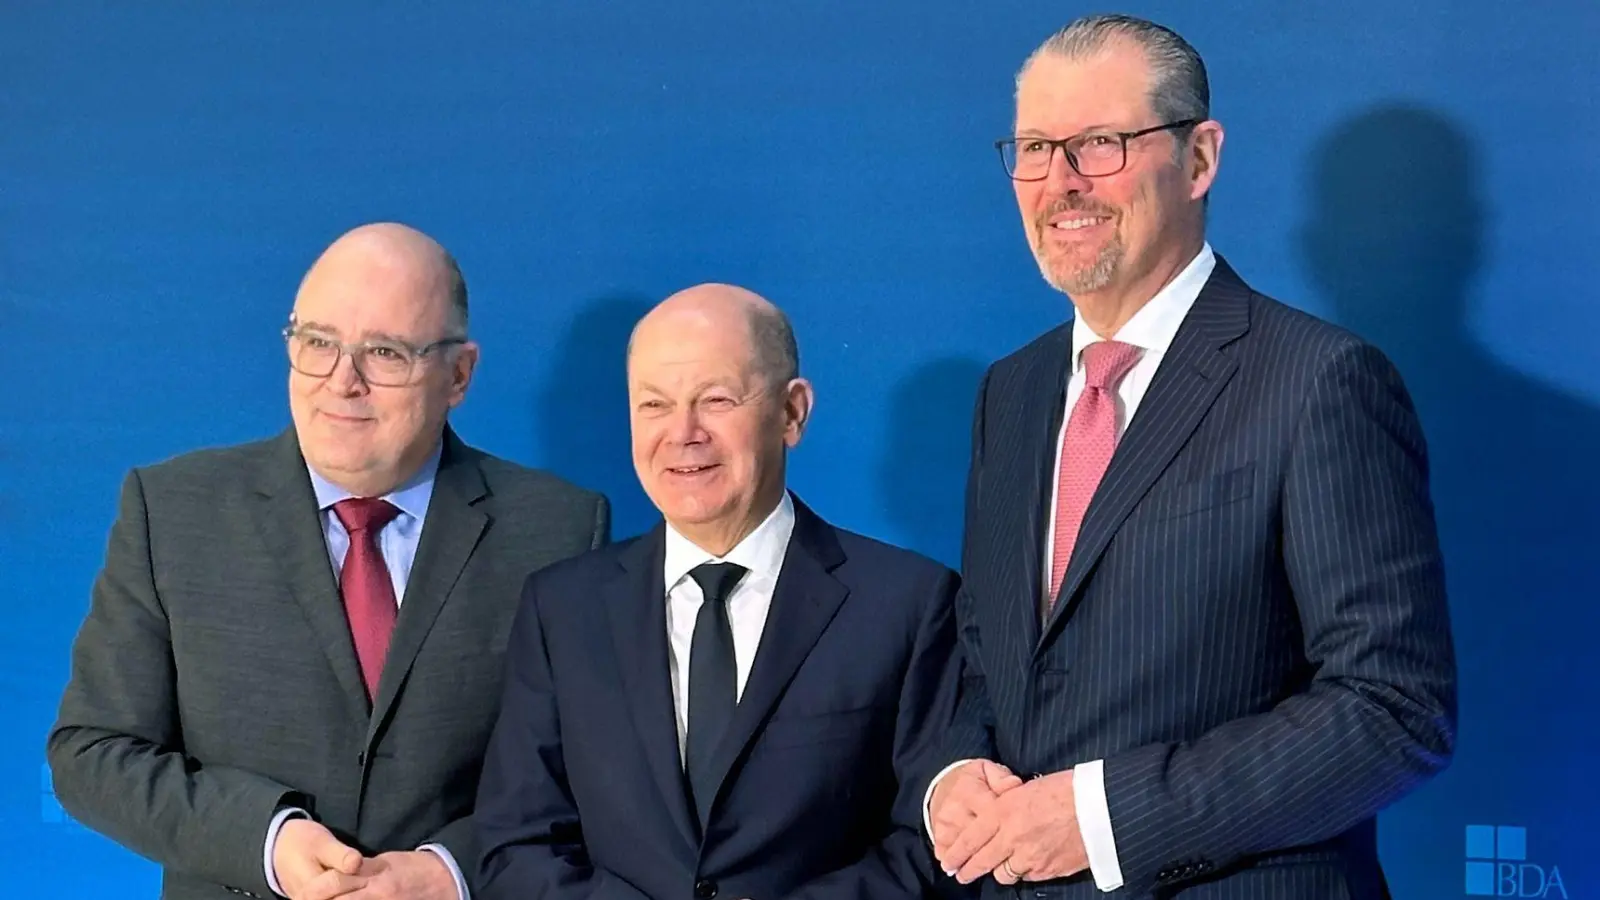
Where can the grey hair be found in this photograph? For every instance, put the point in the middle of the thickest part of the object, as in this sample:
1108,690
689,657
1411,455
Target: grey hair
776,353
456,290
1179,88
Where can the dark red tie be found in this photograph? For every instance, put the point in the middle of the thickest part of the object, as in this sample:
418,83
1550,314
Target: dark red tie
364,581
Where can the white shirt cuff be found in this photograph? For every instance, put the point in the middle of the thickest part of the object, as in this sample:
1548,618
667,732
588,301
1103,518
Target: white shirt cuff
271,844
927,799
455,870
1094,823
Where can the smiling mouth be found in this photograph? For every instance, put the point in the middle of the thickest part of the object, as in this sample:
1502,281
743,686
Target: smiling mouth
1077,223
690,470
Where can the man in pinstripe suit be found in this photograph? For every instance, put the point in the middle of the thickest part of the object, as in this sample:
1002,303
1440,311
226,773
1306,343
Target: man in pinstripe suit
1203,607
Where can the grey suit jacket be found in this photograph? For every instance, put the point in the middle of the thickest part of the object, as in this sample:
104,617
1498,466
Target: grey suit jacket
214,679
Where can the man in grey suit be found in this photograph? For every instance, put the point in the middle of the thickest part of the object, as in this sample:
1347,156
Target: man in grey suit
292,657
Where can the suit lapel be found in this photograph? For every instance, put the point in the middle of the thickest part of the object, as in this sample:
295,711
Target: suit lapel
1185,386
451,529
1041,392
636,605
291,532
804,601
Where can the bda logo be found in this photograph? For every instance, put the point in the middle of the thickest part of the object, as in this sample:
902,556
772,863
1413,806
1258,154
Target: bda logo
50,811
1497,865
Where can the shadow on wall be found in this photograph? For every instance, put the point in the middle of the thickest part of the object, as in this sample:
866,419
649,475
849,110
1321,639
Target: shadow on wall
1394,241
582,410
923,472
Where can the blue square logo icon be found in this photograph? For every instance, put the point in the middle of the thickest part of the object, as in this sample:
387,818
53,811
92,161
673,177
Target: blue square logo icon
1512,843
1480,842
1480,879
50,811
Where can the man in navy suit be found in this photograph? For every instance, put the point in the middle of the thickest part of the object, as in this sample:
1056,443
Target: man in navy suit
1203,611
743,703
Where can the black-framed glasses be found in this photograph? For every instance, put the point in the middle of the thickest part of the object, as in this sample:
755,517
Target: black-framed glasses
1093,154
383,362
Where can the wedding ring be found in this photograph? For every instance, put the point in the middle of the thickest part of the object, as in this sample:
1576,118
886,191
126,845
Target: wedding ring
1010,872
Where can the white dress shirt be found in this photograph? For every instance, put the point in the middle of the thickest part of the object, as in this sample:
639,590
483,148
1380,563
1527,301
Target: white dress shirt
1152,329
762,553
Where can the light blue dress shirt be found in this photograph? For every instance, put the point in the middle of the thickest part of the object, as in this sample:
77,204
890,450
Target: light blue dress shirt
397,541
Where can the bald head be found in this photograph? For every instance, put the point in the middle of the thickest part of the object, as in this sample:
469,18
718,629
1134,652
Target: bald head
727,309
393,255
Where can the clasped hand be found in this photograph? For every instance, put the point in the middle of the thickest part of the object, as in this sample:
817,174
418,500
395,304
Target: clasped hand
988,821
312,864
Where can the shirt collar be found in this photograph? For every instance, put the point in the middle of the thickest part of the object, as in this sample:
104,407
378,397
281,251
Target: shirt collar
761,551
1156,323
411,497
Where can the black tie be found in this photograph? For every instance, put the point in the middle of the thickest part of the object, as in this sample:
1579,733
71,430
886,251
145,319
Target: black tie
712,679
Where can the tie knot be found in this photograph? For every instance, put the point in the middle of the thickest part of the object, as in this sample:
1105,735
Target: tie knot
1106,362
365,513
717,580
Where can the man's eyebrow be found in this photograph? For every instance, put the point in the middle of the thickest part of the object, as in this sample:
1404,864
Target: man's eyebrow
1036,133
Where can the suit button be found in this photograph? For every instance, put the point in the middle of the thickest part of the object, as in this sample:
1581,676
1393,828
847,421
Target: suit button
705,889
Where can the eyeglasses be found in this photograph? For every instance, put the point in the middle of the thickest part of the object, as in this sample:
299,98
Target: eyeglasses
385,363
1093,154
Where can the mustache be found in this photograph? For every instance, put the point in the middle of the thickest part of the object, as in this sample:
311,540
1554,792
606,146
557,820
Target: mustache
1076,203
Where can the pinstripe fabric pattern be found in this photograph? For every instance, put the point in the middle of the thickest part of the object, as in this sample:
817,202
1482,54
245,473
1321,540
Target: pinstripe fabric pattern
1253,630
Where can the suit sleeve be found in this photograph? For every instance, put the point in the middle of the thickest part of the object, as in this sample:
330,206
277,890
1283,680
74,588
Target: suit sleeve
902,864
530,836
972,734
1362,560
460,841
116,751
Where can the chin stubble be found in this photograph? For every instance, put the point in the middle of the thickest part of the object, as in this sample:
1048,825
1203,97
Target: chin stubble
1086,279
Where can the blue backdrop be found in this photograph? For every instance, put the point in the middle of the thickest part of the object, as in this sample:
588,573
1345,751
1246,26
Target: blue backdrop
1422,172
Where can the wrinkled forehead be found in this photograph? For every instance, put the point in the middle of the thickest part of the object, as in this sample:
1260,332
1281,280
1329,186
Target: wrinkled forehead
1059,97
684,351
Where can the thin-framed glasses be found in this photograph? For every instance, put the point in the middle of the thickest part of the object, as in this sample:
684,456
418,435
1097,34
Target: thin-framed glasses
383,362
1093,154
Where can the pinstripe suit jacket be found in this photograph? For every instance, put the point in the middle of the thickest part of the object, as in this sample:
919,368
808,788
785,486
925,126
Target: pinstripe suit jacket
214,679
1252,629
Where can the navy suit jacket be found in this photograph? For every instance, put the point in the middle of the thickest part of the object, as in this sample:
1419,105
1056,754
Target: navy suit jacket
836,735
1252,630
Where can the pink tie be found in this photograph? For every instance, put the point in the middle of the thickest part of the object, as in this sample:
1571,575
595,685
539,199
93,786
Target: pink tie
364,581
1086,447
